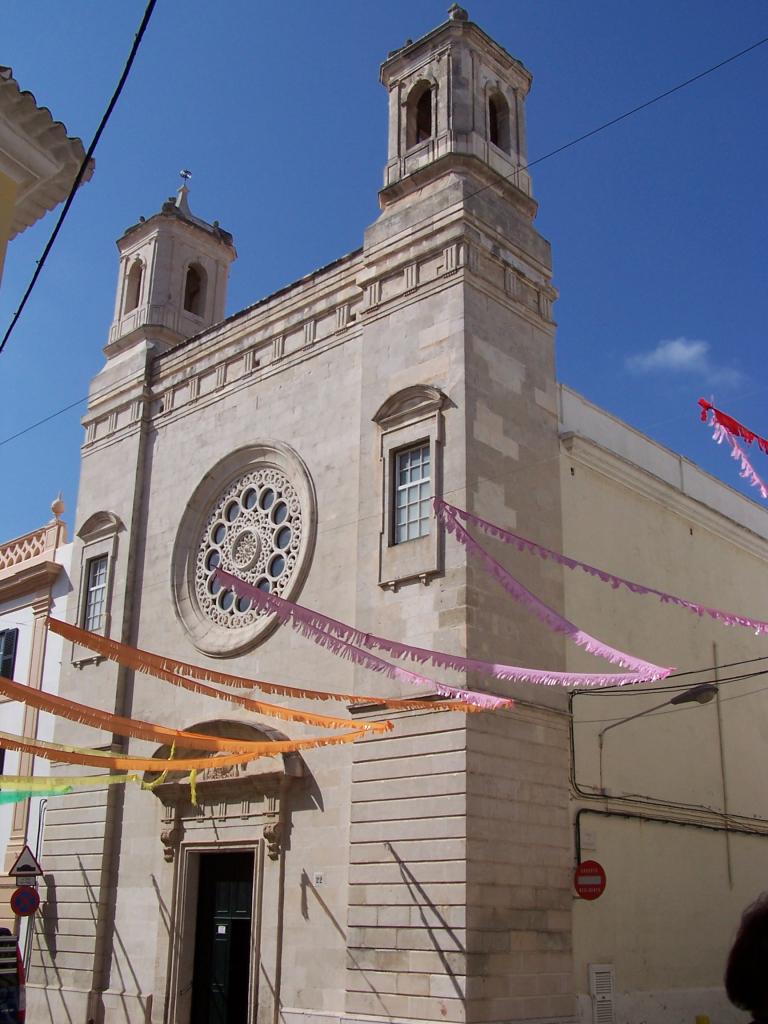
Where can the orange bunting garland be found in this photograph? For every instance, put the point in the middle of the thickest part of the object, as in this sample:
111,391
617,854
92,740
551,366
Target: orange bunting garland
182,673
121,762
125,656
63,708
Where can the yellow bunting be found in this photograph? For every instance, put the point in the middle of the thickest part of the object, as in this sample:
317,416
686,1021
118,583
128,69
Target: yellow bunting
38,782
193,787
83,755
162,776
182,672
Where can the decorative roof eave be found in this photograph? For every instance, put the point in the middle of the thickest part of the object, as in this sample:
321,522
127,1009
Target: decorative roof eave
36,152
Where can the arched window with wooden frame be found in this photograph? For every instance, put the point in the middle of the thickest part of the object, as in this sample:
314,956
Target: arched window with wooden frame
133,286
194,289
498,121
419,114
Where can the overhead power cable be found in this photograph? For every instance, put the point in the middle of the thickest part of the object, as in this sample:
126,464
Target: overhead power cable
532,163
45,419
663,710
634,691
648,103
608,124
643,690
79,177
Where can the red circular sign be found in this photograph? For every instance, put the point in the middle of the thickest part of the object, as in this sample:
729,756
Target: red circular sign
589,880
25,901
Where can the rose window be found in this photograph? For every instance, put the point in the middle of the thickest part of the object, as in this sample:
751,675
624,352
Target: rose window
254,515
255,533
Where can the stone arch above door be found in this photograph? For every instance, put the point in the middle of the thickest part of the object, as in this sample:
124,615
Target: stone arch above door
253,790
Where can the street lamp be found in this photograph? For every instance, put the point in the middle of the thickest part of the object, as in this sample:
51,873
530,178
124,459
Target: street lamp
701,693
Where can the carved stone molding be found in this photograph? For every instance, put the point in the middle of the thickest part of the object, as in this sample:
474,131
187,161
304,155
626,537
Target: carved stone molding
171,838
273,834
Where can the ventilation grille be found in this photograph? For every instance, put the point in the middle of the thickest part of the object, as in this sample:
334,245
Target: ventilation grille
601,987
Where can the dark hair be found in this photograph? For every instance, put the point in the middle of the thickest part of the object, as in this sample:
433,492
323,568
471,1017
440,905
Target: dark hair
746,978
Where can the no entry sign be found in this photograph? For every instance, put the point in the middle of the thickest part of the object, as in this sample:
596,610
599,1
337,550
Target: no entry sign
589,880
25,901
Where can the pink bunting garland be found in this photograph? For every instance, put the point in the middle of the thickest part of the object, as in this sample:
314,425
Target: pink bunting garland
728,429
747,470
317,627
555,621
342,639
715,416
444,510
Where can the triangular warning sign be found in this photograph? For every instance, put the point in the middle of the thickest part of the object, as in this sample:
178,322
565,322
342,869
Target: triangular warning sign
26,864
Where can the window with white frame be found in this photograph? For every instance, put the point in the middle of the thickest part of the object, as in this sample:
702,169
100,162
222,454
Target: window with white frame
412,493
410,447
95,594
98,558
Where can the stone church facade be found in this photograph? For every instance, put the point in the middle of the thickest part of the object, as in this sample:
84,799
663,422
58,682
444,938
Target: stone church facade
423,875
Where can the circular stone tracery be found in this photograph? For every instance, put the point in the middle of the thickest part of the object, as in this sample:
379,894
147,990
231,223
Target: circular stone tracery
246,548
255,532
253,515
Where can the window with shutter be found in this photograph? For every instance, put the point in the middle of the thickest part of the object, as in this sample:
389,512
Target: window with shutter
8,643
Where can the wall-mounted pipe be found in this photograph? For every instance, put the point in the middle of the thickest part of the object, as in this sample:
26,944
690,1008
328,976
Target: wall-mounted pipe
657,819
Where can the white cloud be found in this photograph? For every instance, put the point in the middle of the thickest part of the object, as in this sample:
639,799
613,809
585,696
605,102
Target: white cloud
685,356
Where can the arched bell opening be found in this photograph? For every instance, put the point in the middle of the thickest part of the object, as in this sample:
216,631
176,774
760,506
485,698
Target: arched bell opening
133,284
194,289
499,126
420,114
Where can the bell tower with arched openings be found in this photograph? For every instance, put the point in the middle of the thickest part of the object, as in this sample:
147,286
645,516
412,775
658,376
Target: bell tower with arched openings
173,274
454,92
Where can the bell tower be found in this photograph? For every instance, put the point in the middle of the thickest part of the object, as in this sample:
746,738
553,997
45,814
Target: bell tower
455,97
172,281
457,310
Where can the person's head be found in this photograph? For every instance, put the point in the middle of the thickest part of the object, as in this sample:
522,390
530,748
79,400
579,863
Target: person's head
746,977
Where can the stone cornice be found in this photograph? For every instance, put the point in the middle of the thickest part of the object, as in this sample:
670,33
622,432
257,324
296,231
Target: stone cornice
299,299
587,452
453,30
461,163
36,575
213,234
174,409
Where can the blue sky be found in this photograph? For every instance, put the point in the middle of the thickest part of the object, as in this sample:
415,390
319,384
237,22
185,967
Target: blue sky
658,225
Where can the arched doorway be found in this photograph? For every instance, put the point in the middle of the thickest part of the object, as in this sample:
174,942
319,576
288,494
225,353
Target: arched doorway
220,851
